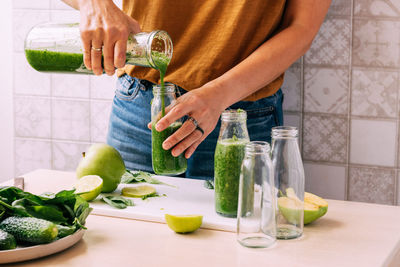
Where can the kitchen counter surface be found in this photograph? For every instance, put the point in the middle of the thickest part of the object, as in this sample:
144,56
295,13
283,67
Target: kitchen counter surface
350,234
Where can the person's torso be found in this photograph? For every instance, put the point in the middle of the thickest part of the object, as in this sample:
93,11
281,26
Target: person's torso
209,36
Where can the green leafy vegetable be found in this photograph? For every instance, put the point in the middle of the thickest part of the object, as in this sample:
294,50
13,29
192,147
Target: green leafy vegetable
117,201
141,177
65,208
209,184
153,195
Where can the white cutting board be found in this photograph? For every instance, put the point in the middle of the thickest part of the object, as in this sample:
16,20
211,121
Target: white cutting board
190,197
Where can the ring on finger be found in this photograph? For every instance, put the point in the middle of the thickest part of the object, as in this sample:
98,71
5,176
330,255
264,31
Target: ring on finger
199,129
196,124
97,49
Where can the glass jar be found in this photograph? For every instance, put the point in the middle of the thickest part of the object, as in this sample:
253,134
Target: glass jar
228,157
289,181
256,208
57,47
163,161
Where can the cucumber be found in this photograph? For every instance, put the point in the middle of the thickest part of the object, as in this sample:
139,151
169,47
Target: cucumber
30,230
7,241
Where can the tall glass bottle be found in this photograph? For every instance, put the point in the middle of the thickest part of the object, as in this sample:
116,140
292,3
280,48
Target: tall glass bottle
163,161
229,153
256,209
57,47
289,182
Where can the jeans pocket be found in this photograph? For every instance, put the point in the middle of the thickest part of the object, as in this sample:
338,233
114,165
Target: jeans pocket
127,88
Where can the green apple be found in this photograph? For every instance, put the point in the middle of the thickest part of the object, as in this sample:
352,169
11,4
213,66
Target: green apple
105,161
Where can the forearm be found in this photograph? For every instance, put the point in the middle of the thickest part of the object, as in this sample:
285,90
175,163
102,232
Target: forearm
271,59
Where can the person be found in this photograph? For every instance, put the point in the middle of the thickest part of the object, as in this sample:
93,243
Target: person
227,54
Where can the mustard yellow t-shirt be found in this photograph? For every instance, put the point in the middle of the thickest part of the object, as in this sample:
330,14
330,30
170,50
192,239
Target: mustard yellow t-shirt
209,37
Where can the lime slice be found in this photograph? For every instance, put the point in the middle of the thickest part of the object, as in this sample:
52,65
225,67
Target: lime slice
138,191
89,187
184,223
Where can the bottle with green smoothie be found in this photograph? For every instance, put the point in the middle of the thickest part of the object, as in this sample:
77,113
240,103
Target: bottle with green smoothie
163,161
229,154
57,47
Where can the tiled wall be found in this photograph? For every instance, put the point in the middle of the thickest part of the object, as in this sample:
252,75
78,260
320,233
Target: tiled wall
343,94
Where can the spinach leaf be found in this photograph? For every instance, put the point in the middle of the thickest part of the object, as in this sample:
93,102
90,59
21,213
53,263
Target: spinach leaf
209,184
141,176
118,202
153,195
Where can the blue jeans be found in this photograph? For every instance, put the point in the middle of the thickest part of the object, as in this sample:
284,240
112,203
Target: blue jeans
129,134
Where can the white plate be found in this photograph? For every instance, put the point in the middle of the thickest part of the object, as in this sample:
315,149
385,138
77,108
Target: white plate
38,251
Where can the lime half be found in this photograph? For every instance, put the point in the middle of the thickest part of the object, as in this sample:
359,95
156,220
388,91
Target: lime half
89,187
138,191
184,223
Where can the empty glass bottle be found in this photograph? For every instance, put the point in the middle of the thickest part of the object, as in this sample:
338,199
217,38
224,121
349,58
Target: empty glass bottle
57,47
256,209
289,182
229,153
163,161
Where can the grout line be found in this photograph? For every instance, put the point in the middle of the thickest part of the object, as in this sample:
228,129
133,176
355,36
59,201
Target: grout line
301,104
349,106
52,140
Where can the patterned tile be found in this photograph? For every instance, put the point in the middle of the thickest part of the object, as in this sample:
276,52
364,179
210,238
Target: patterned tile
374,93
100,115
375,43
66,156
373,142
340,7
325,180
42,4
382,8
324,138
331,45
292,120
326,90
71,85
23,21
31,155
292,88
372,185
102,87
32,117
71,120
27,80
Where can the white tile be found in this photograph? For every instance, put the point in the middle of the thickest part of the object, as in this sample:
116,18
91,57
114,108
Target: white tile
340,7
386,8
31,155
58,4
292,88
102,87
373,142
326,90
23,21
118,3
66,16
398,187
70,85
325,181
27,80
100,115
71,120
37,4
66,156
32,117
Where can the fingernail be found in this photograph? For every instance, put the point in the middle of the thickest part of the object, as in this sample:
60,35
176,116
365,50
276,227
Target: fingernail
158,127
166,145
176,153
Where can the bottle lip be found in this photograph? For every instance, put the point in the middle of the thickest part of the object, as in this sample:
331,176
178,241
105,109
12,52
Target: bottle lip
285,132
169,88
162,35
234,115
257,147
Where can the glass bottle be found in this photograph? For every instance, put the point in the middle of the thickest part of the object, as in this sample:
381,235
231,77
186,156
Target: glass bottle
163,161
289,182
256,209
57,47
229,153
